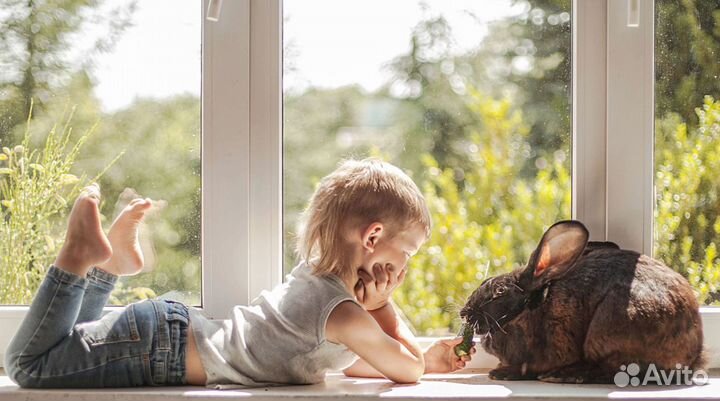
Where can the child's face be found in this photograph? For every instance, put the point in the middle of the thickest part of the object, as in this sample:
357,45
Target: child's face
394,253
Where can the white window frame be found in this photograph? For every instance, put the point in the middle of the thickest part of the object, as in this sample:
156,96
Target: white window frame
613,175
613,114
242,154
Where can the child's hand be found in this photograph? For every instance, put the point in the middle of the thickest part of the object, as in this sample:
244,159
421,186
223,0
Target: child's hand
441,358
373,291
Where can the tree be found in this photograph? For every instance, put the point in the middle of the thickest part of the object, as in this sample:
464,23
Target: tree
439,122
486,226
525,58
537,63
35,36
687,49
160,145
687,217
160,139
314,122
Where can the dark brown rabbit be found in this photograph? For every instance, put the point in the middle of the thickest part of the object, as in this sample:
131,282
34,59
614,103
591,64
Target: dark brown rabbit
578,312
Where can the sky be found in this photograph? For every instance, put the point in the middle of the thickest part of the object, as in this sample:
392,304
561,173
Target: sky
158,57
338,42
331,43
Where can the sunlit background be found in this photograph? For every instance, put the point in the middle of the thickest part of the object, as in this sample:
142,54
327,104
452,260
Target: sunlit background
471,98
134,68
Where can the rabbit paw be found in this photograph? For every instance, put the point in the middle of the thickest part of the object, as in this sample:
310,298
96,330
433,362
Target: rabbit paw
553,377
510,373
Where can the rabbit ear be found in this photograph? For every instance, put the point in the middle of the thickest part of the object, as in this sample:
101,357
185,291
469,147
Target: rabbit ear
560,247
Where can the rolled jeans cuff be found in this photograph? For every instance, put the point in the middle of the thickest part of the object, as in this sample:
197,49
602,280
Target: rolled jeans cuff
65,277
102,278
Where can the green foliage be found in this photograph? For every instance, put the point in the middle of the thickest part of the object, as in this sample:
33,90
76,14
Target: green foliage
161,139
437,118
162,162
36,189
687,216
485,227
495,181
541,37
312,122
123,295
687,45
493,178
35,37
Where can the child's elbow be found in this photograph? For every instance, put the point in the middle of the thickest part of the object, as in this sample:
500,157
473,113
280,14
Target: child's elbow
410,375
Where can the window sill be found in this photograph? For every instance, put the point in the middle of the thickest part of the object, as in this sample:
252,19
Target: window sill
466,385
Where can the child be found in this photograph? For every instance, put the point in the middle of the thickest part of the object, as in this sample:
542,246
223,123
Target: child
363,223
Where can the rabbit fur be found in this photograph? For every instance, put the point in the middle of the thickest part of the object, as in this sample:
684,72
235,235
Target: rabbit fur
579,311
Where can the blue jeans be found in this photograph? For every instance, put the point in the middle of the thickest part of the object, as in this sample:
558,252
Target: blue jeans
64,342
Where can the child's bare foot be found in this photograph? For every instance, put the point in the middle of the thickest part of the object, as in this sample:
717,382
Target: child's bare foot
145,237
127,258
85,242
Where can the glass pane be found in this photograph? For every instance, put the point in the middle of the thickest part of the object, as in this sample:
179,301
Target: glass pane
120,80
687,142
471,98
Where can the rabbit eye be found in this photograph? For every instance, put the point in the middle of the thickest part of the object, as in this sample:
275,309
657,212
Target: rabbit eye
499,290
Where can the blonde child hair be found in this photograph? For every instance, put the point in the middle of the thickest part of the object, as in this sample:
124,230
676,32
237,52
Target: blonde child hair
356,194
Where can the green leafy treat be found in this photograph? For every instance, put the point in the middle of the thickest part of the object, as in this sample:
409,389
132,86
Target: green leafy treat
467,332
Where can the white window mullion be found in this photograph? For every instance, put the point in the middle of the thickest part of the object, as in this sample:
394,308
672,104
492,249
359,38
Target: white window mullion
589,72
226,159
630,139
265,145
630,115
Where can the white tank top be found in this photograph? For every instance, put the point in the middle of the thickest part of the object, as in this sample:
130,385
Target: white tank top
278,339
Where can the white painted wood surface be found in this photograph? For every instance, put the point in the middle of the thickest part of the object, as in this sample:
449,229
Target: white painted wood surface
467,385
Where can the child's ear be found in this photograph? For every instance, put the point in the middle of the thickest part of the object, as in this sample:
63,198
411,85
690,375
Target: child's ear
371,236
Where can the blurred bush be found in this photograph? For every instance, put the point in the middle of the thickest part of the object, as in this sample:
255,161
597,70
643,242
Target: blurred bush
687,184
485,227
37,188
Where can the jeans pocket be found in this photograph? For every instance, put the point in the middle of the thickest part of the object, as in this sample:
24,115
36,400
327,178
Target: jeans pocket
116,327
172,316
